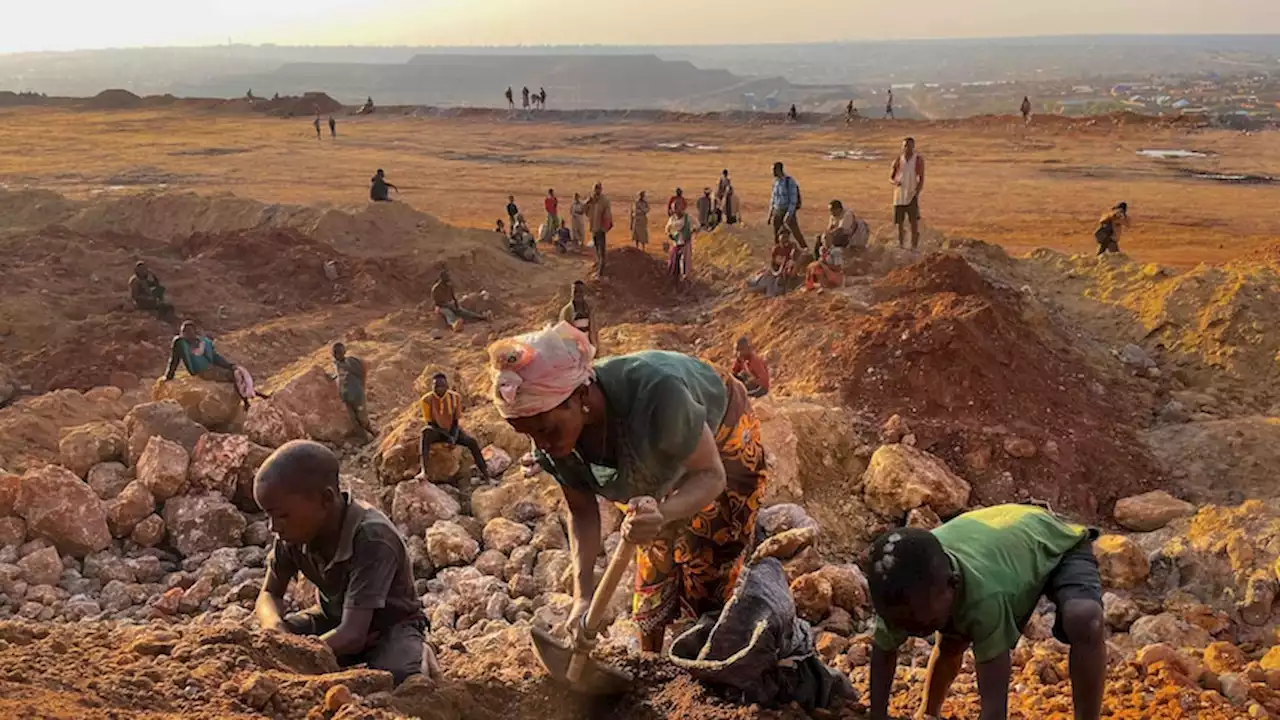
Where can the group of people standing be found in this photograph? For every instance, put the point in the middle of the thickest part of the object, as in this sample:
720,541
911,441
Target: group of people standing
538,99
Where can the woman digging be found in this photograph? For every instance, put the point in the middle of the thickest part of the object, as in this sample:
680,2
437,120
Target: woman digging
667,437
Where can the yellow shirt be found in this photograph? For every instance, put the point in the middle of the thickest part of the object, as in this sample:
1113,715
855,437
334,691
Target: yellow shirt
443,410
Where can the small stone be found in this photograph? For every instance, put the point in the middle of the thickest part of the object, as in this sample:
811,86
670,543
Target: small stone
257,533
1119,612
812,595
42,567
1234,687
163,468
506,535
1271,661
149,532
894,429
256,691
1151,511
168,602
839,622
491,562
1019,447
923,518
108,479
1223,657
522,585
521,562
549,534
448,544
1121,562
13,531
830,646
785,544
337,697
849,589
129,508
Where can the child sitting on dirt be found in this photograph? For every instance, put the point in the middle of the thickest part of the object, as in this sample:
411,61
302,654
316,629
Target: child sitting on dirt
976,581
351,552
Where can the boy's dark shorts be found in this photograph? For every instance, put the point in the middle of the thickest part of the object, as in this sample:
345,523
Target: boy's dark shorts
1075,578
398,649
911,210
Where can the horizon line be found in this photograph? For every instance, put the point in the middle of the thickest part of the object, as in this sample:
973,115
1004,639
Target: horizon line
847,41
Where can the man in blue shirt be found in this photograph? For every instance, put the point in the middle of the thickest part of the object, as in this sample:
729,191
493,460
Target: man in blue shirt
783,204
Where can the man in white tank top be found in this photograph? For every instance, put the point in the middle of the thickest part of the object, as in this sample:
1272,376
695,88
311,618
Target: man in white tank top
908,182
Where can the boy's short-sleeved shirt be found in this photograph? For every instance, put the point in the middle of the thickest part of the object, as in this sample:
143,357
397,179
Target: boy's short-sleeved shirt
369,571
1005,555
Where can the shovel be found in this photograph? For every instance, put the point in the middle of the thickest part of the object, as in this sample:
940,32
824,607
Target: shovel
573,665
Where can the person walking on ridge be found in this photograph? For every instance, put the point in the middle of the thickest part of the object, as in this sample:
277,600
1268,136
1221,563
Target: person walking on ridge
511,103
333,127
1026,110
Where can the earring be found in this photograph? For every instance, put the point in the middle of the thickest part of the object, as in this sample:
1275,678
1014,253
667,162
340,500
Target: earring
586,410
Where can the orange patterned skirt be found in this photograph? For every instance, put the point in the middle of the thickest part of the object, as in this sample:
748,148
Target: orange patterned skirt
693,567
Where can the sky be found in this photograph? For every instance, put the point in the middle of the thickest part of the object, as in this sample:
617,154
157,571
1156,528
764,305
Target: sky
80,24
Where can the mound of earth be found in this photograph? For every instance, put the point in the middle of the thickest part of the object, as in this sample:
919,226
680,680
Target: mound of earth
311,103
984,377
1212,325
637,287
114,100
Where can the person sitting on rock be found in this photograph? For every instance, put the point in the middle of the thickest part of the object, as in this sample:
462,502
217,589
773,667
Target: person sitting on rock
368,612
146,291
750,369
352,375
975,581
198,356
442,411
447,304
775,279
521,242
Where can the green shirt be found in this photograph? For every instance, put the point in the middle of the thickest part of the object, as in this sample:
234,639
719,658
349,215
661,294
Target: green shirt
1005,554
658,403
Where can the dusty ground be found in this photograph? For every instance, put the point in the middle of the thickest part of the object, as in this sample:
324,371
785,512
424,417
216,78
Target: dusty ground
979,347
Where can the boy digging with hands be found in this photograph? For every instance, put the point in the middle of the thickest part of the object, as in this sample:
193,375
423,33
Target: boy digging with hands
975,581
368,611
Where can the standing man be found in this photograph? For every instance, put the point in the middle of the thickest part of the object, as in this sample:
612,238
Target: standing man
600,219
542,98
1026,110
578,314
676,204
783,204
525,95
848,113
1110,226
351,383
512,210
724,197
378,187
551,204
333,127
317,124
447,304
704,210
511,103
888,106
908,182
442,410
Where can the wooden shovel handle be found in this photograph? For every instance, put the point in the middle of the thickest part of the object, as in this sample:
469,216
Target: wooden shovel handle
618,565
599,603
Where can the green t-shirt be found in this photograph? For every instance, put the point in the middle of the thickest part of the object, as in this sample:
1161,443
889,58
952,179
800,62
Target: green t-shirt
1005,554
658,404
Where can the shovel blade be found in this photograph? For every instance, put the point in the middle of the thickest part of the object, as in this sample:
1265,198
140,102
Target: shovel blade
596,679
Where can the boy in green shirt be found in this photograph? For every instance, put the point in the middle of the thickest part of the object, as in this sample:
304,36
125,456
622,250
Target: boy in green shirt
975,581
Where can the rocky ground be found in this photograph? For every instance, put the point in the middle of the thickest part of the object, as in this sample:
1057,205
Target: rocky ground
1130,396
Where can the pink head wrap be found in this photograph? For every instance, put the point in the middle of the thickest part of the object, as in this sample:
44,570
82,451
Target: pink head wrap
535,372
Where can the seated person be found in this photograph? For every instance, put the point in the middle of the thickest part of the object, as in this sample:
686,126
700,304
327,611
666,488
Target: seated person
442,411
369,612
146,291
564,238
500,228
447,305
750,369
198,356
521,243
824,272
774,280
975,581
844,230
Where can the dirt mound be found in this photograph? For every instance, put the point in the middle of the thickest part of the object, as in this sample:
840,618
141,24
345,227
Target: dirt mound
1211,325
311,103
987,381
637,285
114,100
33,208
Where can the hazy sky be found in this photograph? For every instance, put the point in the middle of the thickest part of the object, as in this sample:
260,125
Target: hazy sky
71,24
